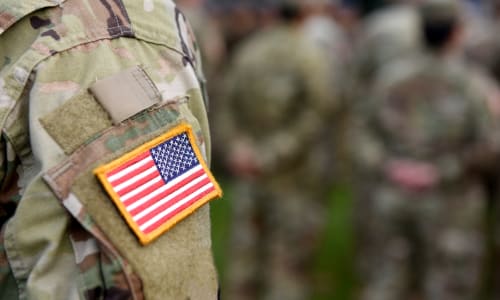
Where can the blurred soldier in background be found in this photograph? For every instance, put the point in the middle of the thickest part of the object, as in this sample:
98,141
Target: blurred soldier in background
385,32
322,27
423,140
239,19
278,96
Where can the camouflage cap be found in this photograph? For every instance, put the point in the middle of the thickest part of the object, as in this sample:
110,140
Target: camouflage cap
439,10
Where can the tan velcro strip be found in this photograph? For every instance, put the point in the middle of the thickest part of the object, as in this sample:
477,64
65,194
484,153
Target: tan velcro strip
126,94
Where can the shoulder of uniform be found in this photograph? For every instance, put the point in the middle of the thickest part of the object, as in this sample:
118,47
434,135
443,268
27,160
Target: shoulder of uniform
399,71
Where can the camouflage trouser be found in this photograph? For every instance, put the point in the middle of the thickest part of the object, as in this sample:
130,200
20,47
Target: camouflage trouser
427,246
274,235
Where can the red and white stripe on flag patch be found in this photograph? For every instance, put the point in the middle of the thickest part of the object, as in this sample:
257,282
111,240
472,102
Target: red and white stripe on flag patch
160,183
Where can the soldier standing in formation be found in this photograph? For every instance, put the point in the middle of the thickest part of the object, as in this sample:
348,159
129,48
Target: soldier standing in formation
424,138
278,95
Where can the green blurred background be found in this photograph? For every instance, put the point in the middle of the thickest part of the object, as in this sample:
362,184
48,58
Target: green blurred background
334,262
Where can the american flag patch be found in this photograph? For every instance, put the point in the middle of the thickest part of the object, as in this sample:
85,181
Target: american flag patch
160,183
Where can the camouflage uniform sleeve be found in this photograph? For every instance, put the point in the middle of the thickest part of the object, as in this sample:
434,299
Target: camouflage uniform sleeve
487,125
479,155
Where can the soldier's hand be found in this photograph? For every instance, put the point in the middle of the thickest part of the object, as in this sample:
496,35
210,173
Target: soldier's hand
412,175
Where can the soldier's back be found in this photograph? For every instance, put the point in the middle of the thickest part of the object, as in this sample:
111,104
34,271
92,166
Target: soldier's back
270,71
427,117
277,94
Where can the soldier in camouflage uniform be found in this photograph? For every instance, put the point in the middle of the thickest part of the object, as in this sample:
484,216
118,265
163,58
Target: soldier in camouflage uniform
323,29
276,100
390,32
62,237
422,143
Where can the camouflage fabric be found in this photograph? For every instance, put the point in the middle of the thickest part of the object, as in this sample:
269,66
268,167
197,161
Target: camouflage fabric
55,244
323,30
277,100
390,33
425,242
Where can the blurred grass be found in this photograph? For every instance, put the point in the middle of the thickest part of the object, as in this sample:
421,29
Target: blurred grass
333,268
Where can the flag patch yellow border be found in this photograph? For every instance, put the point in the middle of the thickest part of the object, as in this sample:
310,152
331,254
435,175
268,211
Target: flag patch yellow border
159,183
